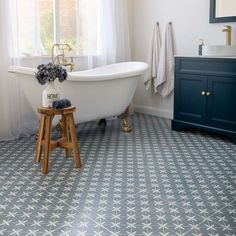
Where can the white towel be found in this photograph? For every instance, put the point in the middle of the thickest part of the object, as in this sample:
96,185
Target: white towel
153,57
164,82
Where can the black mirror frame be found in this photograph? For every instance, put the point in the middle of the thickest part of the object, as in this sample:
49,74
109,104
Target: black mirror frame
214,19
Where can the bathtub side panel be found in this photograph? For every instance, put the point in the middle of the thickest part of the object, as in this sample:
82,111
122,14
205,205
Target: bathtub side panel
100,99
93,100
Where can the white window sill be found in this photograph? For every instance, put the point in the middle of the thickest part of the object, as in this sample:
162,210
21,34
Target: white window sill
49,57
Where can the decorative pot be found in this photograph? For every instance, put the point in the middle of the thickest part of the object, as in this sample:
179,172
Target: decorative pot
50,94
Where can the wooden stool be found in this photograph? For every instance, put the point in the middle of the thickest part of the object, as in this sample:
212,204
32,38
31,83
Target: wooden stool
68,133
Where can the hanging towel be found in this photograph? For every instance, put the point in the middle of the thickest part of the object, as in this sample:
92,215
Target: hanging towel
153,57
164,82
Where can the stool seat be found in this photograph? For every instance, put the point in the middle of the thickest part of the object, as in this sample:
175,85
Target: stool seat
53,111
68,138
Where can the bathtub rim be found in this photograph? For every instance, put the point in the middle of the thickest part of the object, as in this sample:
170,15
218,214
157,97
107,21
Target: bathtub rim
137,68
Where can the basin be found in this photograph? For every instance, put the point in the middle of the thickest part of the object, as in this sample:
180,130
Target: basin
219,50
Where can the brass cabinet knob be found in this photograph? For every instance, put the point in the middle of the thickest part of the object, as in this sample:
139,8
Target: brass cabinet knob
203,93
208,94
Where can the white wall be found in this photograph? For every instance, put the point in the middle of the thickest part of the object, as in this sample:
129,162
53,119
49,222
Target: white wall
131,21
190,22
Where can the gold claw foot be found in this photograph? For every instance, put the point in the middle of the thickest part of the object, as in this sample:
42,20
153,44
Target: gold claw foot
127,128
125,121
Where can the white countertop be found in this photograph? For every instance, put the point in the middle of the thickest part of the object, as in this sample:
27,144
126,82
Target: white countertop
197,56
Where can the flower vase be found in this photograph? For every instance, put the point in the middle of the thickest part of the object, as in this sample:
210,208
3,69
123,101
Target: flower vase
50,94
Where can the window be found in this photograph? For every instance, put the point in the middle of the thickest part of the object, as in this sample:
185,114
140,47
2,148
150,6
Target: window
38,24
46,21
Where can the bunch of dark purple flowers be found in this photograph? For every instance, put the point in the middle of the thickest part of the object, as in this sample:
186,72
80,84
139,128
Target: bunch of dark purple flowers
49,72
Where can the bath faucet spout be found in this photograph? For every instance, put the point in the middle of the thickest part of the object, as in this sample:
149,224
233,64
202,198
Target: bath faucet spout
60,58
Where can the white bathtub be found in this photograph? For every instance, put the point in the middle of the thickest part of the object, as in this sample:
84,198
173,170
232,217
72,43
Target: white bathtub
97,93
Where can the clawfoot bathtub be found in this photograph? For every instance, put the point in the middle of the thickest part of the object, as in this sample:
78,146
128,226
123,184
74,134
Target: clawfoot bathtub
97,93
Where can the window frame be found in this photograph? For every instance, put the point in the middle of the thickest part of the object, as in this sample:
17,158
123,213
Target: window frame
56,10
56,24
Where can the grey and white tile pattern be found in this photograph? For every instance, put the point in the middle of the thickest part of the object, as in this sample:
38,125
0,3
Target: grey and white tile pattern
152,181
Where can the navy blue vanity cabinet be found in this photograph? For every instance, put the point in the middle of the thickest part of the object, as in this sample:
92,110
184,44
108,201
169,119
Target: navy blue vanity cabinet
189,106
205,94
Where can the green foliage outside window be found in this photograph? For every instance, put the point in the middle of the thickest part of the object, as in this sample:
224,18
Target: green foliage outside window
47,35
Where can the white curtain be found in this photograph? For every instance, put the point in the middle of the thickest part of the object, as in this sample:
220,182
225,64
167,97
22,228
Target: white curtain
16,116
112,30
112,44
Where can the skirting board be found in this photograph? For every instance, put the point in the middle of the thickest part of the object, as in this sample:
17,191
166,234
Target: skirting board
154,111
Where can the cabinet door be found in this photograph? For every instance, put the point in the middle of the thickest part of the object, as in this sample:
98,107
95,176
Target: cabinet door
190,104
221,104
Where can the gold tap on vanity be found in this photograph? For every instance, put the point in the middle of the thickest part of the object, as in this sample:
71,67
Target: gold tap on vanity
228,31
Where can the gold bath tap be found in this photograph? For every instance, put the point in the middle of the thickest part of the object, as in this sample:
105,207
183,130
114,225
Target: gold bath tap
228,31
60,58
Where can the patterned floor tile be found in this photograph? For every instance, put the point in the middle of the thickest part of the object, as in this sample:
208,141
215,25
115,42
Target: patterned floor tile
22,227
193,197
40,210
15,185
226,217
152,181
210,228
124,220
83,227
115,217
166,215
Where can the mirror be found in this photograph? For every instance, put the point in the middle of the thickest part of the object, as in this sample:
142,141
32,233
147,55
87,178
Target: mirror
222,11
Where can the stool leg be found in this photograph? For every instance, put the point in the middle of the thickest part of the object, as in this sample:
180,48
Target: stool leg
74,140
47,140
39,141
66,134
